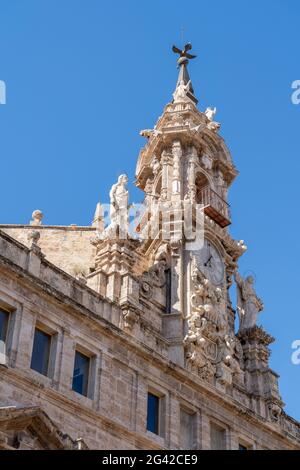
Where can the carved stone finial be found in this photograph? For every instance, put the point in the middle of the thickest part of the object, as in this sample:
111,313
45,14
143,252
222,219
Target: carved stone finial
98,218
37,217
33,238
184,89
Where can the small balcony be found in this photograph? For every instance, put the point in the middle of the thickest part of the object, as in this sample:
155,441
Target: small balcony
214,206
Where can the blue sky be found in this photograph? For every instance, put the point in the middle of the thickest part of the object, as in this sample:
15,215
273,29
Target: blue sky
84,76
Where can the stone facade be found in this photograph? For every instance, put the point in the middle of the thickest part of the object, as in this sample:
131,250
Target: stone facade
150,314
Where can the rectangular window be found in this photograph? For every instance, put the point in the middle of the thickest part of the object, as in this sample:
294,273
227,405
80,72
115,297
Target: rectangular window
153,413
187,430
217,437
41,352
4,316
81,373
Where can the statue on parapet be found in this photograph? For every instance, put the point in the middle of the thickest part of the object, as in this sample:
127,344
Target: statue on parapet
119,206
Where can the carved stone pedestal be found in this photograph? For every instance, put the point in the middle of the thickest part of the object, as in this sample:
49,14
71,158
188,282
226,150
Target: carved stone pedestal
260,379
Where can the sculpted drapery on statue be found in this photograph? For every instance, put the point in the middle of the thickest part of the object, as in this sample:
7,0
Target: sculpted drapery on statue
119,204
180,94
248,304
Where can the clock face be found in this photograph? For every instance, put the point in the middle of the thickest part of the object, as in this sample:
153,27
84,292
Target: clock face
209,261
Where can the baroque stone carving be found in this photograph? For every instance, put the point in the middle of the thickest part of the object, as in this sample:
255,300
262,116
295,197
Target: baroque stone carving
213,126
248,304
275,410
206,162
118,208
155,165
209,347
156,275
148,133
206,298
175,246
210,113
129,318
201,348
180,94
230,355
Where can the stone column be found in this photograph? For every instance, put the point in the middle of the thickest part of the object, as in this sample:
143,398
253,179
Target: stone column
176,275
191,174
165,178
173,322
176,180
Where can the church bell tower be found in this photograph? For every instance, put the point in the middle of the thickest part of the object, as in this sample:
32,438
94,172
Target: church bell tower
172,279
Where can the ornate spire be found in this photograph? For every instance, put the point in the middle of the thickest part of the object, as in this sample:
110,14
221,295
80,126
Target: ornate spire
184,84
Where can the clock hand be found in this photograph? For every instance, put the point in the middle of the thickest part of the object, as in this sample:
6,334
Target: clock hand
205,264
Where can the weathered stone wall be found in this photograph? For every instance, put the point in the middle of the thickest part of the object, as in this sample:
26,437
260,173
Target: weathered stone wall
68,247
124,367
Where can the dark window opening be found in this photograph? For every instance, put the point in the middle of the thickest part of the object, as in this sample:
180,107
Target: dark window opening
81,373
3,324
153,413
41,352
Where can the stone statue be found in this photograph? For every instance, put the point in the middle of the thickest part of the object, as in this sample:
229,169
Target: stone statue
180,94
119,203
207,162
248,304
221,186
210,113
155,165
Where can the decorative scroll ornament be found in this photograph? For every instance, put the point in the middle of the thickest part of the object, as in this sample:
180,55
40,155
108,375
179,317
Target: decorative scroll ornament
156,275
210,349
200,345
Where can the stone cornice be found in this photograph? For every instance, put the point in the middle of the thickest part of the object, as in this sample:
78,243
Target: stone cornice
71,228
